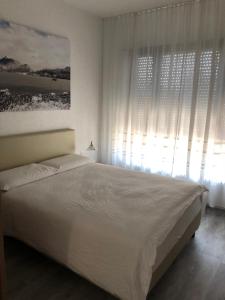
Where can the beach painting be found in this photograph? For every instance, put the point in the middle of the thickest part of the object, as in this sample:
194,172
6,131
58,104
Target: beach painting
34,69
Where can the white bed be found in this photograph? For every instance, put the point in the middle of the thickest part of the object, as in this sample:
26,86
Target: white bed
112,226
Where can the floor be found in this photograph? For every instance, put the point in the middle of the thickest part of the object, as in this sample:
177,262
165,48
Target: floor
197,274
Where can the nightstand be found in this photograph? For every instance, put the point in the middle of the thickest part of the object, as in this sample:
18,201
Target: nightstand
2,259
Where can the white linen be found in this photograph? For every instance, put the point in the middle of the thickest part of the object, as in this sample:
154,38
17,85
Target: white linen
22,175
102,222
67,162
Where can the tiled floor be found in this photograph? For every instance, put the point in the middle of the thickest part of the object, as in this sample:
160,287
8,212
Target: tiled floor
197,274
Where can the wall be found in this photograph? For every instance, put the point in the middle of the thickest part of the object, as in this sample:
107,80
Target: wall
85,34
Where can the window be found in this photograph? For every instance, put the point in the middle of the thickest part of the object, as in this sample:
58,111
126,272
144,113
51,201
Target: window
174,96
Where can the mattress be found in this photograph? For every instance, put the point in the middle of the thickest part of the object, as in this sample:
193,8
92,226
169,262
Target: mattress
105,223
177,232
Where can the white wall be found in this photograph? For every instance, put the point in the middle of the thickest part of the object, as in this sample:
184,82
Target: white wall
85,34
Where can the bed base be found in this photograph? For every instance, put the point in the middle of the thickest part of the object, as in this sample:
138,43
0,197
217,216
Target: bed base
175,251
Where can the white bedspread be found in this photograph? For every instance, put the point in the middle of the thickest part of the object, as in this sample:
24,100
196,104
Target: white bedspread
102,222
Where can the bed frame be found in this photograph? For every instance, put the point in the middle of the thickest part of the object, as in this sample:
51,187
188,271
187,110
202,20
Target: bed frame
175,251
22,149
2,260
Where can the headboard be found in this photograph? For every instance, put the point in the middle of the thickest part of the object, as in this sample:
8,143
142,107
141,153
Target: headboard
21,149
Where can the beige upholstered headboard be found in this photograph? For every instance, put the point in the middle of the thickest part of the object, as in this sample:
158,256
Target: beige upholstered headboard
18,150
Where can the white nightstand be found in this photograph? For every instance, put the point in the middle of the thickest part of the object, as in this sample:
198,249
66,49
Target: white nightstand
91,152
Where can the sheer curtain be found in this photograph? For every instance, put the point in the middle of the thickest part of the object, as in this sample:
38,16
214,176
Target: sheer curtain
163,107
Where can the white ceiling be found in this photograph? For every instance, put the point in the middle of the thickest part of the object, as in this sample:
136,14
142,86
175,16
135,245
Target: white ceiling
107,8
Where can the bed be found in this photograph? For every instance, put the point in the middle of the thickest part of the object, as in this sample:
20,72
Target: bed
118,228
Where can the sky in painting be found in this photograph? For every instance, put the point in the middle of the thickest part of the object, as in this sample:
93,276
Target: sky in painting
33,47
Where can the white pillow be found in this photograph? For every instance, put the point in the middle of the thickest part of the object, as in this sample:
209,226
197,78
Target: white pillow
67,162
19,176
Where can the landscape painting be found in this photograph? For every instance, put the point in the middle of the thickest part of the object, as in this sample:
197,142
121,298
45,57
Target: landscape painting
34,69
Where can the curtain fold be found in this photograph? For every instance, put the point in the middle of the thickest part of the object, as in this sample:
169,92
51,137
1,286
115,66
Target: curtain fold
164,93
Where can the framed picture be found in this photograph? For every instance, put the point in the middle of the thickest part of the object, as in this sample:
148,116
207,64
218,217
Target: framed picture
34,69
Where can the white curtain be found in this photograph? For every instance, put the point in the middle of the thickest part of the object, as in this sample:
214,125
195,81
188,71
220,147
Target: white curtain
163,107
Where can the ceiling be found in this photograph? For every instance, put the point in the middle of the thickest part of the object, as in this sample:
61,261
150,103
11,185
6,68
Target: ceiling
107,8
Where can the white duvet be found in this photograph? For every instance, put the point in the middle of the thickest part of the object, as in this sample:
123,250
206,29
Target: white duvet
104,223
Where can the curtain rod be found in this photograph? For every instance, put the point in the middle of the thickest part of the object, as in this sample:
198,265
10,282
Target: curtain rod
153,9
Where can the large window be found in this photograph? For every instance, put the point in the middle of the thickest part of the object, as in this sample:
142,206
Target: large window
171,132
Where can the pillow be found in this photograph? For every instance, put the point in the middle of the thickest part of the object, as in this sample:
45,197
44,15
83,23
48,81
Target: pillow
67,162
19,176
